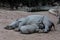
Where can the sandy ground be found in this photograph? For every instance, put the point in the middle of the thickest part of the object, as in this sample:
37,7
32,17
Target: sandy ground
6,17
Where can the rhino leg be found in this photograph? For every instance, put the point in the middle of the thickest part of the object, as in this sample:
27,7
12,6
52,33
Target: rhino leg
46,29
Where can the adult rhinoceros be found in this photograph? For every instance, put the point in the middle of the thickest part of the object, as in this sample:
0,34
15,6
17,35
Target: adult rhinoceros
32,19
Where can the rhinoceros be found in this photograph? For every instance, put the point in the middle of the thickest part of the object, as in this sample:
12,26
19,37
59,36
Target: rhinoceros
31,20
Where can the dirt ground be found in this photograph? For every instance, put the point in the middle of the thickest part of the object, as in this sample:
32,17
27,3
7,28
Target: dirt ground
6,17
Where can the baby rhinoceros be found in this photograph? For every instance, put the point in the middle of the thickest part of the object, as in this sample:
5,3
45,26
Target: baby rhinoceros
28,29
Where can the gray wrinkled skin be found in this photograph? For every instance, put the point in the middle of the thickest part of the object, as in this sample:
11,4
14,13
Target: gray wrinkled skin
15,24
27,29
33,19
